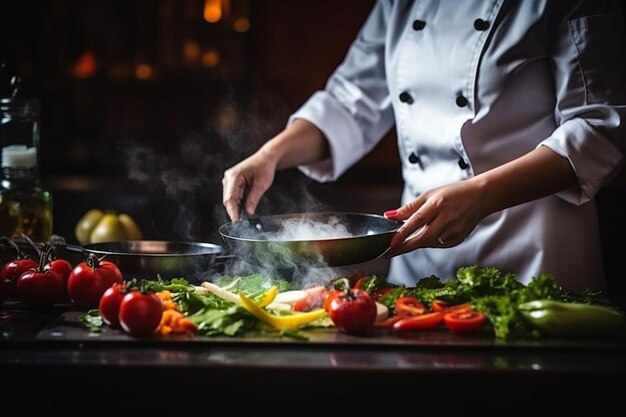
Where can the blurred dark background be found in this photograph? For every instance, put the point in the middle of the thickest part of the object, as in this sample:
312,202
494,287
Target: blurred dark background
145,103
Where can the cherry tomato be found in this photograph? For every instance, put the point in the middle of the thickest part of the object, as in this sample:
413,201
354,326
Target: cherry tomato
61,267
90,279
464,321
140,313
39,287
409,306
314,300
353,311
110,302
13,269
421,322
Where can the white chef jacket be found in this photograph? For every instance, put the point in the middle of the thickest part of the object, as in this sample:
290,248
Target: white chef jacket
472,85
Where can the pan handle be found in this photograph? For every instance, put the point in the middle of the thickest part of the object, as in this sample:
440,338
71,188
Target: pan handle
74,248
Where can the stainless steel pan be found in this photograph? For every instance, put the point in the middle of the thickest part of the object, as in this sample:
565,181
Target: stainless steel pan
147,258
369,236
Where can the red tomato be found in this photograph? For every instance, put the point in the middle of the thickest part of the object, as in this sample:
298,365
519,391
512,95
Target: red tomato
445,307
61,267
38,287
409,306
90,279
314,300
353,311
13,269
388,322
421,322
439,305
110,302
140,313
464,321
329,298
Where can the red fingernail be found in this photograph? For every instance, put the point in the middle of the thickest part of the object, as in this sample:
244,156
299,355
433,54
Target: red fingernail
394,242
390,213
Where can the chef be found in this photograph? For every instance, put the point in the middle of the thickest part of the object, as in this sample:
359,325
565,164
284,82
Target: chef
510,116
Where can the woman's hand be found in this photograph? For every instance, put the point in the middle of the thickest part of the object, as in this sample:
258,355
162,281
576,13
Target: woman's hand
301,143
445,216
255,173
441,217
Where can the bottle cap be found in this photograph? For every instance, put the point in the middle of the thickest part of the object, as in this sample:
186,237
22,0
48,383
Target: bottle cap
19,156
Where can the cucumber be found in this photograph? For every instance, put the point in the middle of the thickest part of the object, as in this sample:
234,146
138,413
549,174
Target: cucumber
573,320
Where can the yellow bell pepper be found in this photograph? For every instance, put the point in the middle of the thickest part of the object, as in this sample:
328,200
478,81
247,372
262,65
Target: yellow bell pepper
292,321
268,297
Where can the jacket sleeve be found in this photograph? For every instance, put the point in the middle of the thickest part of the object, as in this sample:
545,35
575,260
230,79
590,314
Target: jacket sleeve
353,111
588,54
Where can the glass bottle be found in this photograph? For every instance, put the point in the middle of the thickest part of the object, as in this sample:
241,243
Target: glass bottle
25,206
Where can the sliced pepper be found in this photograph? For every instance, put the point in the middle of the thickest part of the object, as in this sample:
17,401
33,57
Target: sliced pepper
268,296
292,321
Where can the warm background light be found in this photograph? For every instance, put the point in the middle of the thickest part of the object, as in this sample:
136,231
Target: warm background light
143,71
242,24
211,58
212,10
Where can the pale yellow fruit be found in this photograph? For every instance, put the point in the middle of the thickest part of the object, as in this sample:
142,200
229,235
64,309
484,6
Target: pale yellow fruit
132,230
108,229
86,224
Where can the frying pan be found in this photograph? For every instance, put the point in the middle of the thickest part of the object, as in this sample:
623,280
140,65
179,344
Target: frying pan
147,258
368,237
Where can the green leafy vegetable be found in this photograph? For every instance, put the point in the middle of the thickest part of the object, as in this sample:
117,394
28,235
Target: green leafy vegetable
92,320
495,293
253,284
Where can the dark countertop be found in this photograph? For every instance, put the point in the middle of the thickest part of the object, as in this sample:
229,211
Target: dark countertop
49,352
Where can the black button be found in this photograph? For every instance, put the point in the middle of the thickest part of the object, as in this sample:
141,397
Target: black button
419,24
461,101
480,24
406,98
414,159
462,163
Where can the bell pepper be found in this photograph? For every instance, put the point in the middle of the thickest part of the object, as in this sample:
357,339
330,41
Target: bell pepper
560,319
292,321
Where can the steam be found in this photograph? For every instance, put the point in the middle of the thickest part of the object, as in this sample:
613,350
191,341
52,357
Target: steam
183,183
303,229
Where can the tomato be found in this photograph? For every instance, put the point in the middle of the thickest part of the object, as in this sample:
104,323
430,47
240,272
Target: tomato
445,307
464,321
353,311
409,306
109,305
388,322
329,298
13,269
39,287
421,322
439,305
61,267
140,313
90,279
314,300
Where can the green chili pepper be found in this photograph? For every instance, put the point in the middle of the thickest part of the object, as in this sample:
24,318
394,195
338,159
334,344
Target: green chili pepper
560,319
